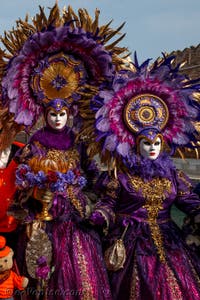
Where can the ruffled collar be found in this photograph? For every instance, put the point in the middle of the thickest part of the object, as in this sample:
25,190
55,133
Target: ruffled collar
56,139
148,169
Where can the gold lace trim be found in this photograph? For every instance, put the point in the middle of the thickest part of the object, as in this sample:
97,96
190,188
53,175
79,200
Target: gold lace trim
87,291
75,202
182,177
196,275
111,188
172,282
154,191
135,283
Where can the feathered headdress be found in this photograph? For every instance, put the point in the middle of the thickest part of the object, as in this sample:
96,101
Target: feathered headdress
55,57
155,96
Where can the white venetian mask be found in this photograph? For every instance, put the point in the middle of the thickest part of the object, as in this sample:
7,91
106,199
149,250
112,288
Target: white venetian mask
149,149
57,120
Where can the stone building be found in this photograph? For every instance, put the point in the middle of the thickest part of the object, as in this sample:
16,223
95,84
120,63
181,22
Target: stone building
189,59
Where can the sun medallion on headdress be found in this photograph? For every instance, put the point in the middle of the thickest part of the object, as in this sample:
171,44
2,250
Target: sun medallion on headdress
59,77
144,111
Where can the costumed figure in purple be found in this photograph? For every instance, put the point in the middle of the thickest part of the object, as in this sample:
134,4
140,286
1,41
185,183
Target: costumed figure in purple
56,172
140,121
51,66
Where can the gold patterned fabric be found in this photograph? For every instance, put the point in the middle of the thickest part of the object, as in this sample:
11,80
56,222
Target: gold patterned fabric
154,192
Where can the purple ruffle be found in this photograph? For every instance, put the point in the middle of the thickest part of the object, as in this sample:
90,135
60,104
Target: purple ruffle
148,169
61,140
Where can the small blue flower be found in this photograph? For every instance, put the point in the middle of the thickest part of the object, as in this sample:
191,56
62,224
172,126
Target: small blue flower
69,177
25,178
81,181
57,186
30,178
40,179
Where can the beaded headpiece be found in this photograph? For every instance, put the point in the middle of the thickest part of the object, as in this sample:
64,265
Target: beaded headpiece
57,105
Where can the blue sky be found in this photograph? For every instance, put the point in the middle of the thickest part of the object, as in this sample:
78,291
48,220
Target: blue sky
152,26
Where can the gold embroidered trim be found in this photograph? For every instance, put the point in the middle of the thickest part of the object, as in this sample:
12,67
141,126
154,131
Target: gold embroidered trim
182,177
170,278
135,283
75,202
111,188
181,193
196,275
154,191
86,287
172,282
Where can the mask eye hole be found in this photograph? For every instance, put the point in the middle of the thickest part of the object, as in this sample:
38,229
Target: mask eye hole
53,114
157,143
146,143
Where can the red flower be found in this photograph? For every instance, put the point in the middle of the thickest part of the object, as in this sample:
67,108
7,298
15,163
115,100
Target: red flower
22,172
51,176
77,172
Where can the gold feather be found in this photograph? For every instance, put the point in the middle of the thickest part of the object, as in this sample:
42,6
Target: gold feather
67,16
105,28
73,16
96,21
54,17
40,20
114,32
83,19
115,42
8,44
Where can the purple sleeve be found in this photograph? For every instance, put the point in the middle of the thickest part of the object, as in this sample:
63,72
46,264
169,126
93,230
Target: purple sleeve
187,200
108,189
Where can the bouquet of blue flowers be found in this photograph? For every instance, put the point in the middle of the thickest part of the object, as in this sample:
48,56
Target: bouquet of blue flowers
55,181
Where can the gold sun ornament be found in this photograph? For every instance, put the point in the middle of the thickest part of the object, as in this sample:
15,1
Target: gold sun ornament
145,109
57,56
59,78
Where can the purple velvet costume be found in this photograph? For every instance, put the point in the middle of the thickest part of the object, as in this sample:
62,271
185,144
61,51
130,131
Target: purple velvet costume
159,264
80,272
